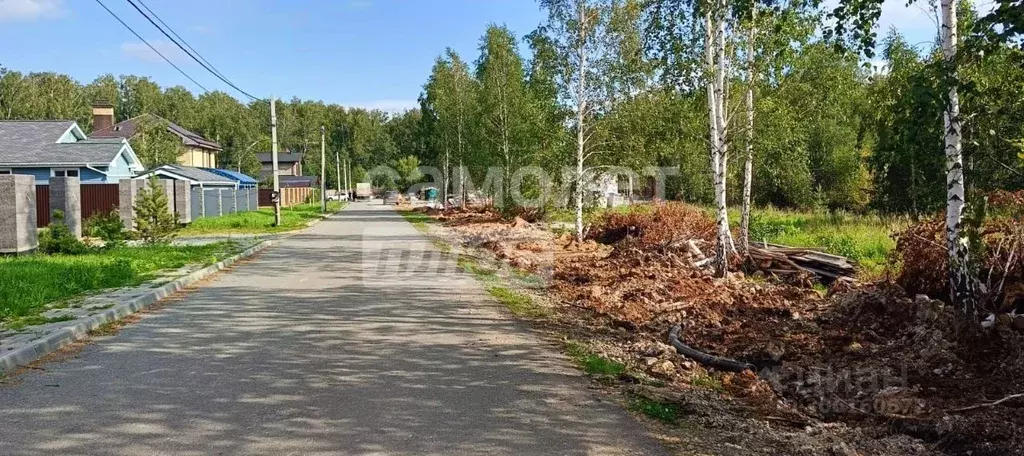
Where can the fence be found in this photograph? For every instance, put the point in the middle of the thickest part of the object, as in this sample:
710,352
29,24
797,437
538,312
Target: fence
290,196
95,199
102,198
214,202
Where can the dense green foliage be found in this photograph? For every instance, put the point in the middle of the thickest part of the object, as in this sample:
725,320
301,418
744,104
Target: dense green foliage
153,221
829,131
107,226
57,238
32,281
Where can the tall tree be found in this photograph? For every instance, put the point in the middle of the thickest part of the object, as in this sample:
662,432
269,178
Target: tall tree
577,31
503,103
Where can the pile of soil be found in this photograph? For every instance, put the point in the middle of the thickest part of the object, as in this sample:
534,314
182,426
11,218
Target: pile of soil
870,355
890,364
997,250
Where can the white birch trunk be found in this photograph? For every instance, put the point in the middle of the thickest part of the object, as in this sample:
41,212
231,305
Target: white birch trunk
960,280
748,164
581,108
714,49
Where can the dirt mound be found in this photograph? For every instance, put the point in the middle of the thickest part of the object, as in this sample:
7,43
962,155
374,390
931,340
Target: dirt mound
657,226
997,251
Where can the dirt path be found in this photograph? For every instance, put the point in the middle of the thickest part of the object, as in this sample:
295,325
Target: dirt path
350,338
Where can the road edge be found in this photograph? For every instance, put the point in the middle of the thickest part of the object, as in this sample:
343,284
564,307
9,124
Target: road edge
61,337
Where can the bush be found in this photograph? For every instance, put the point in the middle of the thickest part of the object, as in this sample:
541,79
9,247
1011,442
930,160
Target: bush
107,226
58,238
154,222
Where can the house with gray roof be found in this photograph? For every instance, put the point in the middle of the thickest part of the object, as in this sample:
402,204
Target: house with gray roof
196,177
58,148
195,150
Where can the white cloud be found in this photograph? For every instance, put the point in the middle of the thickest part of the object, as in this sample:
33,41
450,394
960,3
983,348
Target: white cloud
139,50
29,10
387,105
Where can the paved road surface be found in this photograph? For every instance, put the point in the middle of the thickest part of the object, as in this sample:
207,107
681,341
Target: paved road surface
298,352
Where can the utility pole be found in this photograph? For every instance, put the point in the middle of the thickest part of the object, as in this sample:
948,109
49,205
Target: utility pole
323,171
337,167
273,153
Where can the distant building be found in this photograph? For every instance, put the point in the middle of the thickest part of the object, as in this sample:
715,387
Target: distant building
201,177
289,166
195,150
59,148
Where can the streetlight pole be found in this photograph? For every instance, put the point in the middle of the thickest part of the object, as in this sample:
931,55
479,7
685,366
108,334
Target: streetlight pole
273,153
323,170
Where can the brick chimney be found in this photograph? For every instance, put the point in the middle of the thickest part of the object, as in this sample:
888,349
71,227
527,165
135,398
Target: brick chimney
102,114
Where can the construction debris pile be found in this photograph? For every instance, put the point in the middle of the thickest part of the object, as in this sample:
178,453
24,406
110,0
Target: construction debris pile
872,356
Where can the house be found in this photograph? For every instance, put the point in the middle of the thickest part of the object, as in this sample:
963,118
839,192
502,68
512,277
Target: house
289,170
195,151
196,177
59,148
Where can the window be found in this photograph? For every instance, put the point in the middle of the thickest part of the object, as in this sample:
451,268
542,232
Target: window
6,171
64,172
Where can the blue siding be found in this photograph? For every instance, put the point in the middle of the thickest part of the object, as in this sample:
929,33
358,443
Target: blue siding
43,175
119,169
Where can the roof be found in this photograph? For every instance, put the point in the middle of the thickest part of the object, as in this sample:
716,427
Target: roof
189,173
281,158
297,181
34,143
126,129
241,178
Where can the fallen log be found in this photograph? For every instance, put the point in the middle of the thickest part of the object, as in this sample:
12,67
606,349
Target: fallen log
716,362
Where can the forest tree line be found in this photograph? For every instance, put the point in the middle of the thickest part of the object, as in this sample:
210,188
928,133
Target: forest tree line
831,131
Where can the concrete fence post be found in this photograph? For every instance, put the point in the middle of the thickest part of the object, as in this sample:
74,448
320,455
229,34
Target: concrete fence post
202,202
128,189
66,196
183,201
220,202
167,185
18,213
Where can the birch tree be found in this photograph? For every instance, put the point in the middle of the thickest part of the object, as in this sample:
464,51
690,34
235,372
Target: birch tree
858,18
748,163
503,103
576,28
716,75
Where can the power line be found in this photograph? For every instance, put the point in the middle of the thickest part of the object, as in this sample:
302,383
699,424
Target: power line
183,73
179,37
186,51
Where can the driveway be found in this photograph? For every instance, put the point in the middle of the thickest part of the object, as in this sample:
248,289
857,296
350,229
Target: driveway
352,337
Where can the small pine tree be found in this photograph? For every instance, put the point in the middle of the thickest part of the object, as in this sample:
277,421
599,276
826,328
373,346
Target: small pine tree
152,219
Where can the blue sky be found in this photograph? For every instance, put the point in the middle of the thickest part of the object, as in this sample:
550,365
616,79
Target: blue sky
370,53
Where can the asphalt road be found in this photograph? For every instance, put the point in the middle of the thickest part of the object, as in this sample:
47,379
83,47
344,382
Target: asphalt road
352,337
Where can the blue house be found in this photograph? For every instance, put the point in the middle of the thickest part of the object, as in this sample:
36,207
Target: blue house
59,148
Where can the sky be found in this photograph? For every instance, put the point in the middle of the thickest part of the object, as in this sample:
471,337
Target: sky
367,53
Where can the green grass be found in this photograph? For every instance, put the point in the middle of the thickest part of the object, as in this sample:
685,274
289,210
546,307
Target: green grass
471,266
518,303
706,381
661,411
592,363
865,239
418,219
28,283
261,221
33,320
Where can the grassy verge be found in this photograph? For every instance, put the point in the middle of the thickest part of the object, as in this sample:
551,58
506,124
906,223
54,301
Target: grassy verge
865,239
592,363
261,221
29,283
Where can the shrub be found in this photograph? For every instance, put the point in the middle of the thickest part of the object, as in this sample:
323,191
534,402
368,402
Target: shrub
107,226
154,222
58,238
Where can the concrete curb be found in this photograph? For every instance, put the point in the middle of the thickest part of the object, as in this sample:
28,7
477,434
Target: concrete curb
80,330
